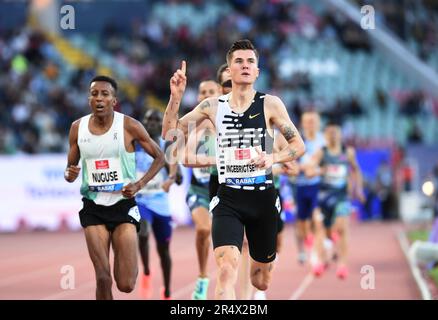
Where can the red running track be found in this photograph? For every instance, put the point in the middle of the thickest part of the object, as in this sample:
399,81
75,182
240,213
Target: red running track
31,265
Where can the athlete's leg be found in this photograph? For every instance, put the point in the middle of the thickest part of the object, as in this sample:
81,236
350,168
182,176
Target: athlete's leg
227,234
227,260
341,226
261,232
163,233
202,220
143,242
98,243
318,262
166,265
303,222
320,230
245,285
261,274
124,240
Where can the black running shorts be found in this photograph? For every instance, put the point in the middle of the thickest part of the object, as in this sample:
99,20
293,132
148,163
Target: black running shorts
213,185
124,211
253,211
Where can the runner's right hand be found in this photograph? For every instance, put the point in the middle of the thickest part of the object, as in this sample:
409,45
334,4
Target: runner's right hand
178,82
291,168
71,173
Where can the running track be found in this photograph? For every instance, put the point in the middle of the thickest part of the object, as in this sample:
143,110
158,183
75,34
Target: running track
30,267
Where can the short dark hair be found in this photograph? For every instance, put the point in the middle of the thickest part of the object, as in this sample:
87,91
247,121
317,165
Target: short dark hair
152,114
244,44
221,69
333,122
105,79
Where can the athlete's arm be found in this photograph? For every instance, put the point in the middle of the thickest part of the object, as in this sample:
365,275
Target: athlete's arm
173,169
170,120
190,158
290,168
138,133
356,175
278,116
72,170
313,167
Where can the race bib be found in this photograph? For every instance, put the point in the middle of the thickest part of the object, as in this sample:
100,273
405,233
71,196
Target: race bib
336,174
104,175
154,185
202,175
238,171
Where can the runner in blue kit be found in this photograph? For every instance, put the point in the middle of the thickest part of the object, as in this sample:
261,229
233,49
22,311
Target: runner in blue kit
246,200
104,142
341,175
153,204
306,189
198,194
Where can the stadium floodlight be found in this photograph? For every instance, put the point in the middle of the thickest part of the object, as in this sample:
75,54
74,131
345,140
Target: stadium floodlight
428,188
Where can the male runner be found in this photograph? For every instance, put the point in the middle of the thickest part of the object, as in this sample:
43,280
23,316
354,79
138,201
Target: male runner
153,204
104,142
198,193
338,164
306,189
246,199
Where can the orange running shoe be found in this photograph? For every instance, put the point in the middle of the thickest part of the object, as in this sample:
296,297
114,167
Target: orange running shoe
342,272
318,269
146,286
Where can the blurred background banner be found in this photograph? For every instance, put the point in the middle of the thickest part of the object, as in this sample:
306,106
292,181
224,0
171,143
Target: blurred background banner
35,194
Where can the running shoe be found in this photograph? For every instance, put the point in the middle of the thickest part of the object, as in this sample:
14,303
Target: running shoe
146,286
164,296
201,289
302,257
318,269
259,295
342,272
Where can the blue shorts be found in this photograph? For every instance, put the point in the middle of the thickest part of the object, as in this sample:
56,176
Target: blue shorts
306,198
161,225
333,204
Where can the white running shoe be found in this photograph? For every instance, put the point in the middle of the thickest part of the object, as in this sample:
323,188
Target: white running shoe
259,295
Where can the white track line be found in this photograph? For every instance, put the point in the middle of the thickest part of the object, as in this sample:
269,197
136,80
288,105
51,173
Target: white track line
308,279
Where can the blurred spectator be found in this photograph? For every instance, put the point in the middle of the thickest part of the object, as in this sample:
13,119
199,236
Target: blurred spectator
415,134
386,191
407,176
382,99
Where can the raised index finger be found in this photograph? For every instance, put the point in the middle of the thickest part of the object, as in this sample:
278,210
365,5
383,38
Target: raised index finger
183,66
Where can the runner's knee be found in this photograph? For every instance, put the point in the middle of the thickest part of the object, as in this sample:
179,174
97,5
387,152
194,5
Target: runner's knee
261,283
103,279
203,232
126,285
227,271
